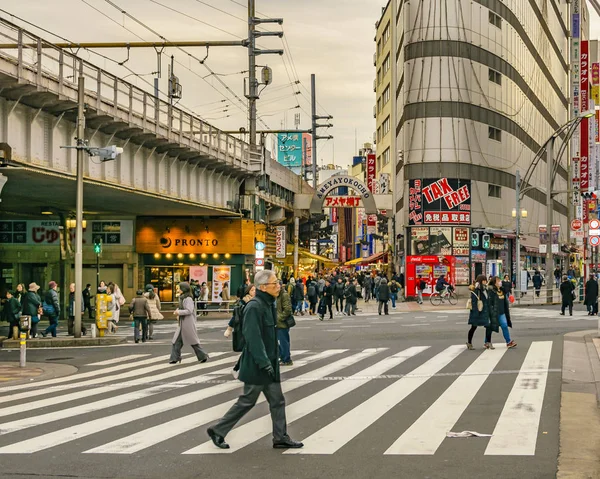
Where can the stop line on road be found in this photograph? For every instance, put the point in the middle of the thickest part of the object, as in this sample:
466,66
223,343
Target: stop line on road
81,406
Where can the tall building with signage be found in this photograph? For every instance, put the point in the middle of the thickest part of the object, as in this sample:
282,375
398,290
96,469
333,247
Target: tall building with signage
472,101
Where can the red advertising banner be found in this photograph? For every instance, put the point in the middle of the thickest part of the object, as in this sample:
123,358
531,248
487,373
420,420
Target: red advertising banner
334,215
584,126
371,169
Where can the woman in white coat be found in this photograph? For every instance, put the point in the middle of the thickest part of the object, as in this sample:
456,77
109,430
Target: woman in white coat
186,331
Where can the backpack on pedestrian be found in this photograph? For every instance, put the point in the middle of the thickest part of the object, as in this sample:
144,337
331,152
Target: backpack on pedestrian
238,341
422,285
312,291
394,287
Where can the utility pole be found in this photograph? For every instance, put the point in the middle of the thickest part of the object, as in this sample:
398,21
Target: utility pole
549,208
315,136
252,94
79,203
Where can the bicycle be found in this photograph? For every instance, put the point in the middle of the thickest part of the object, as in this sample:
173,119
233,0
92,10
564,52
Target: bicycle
438,298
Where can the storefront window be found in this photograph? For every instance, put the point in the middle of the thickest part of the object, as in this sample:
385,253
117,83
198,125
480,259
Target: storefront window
166,279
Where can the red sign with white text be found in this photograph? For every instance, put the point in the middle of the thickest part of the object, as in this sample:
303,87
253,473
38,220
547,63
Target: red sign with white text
371,169
342,201
584,126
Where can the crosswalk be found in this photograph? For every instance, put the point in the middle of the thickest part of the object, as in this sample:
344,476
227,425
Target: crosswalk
336,397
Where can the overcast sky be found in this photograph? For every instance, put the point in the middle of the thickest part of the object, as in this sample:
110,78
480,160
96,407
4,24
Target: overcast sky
331,38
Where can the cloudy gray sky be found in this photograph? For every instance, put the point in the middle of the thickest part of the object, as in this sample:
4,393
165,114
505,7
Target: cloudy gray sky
331,38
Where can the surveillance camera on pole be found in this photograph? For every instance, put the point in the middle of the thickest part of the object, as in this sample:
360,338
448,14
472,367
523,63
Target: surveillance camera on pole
105,154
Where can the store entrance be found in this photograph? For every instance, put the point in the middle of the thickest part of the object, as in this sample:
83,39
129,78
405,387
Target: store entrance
165,279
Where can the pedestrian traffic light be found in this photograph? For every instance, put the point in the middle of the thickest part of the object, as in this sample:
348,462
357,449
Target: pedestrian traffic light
475,240
97,245
486,241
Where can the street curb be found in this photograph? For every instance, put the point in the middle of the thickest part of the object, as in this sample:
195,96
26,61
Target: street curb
579,409
50,371
64,342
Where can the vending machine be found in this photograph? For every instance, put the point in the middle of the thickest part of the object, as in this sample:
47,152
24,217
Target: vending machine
429,269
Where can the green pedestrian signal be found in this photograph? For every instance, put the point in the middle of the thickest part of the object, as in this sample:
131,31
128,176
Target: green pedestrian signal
97,245
486,241
475,240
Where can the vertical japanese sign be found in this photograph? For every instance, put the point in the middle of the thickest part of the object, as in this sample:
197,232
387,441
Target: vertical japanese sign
371,164
575,45
415,207
289,149
593,159
583,106
280,243
596,82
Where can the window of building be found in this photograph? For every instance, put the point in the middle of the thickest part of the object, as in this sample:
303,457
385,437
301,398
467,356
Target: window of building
386,33
494,191
378,134
494,133
495,20
386,126
378,48
379,105
386,64
379,163
495,76
386,95
379,76
385,157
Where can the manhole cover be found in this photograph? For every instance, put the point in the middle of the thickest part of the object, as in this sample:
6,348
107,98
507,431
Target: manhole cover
58,359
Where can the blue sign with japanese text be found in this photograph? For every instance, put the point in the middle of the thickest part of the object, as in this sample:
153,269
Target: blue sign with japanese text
289,149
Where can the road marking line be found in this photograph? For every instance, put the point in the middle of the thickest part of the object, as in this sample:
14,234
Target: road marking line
123,359
416,324
255,430
88,374
426,434
157,434
516,431
68,434
332,437
73,411
143,372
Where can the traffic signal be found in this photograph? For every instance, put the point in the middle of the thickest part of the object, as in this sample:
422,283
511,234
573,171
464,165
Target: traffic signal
486,241
97,245
475,240
590,195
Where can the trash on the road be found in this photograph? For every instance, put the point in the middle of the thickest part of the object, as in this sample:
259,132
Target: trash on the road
466,434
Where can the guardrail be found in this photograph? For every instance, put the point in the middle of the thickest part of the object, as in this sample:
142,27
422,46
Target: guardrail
40,63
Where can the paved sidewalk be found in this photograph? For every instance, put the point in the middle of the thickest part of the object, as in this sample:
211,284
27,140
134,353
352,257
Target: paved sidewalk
579,455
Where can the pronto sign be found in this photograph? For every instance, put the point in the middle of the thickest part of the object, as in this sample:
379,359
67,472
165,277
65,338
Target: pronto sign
316,205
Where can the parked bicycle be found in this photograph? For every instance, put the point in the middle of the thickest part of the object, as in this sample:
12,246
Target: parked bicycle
440,297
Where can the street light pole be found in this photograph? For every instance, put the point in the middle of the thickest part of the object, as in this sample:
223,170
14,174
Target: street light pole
549,208
517,238
79,205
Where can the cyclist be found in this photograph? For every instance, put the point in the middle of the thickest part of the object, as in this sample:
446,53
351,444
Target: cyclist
442,286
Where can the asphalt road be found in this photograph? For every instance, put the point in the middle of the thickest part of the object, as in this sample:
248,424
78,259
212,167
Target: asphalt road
371,396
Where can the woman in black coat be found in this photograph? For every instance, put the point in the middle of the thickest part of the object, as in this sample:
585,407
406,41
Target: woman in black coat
566,291
591,294
499,312
476,317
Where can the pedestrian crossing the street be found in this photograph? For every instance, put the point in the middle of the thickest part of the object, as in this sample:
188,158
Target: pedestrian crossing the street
335,399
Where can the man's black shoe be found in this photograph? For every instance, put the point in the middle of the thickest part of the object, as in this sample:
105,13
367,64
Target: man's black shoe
287,444
217,440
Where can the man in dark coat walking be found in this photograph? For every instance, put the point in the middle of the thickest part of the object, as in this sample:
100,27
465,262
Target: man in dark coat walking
591,295
566,291
537,282
384,296
259,366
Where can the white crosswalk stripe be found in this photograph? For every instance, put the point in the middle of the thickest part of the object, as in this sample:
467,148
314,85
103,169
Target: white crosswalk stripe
187,397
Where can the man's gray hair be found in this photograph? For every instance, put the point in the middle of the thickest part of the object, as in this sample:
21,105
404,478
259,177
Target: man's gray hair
263,277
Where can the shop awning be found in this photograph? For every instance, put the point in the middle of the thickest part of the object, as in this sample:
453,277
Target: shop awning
307,254
531,245
364,261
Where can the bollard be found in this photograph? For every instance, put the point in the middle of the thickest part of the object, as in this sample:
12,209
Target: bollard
23,350
93,330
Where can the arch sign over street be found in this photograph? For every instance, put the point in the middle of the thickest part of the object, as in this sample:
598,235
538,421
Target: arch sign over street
368,200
